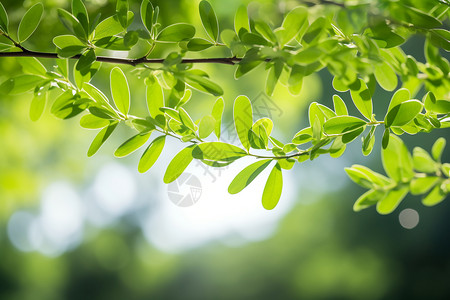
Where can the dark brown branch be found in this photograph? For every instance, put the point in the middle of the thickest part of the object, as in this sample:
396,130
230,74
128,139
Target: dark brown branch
125,61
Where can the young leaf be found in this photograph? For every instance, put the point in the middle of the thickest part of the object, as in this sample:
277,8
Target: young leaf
217,112
155,97
151,154
391,201
30,22
198,44
186,119
217,151
147,14
68,45
247,175
37,106
101,137
21,84
80,12
423,162
273,187
438,149
107,28
203,84
385,140
386,76
369,198
209,20
403,113
436,196
339,106
4,21
397,160
91,121
369,142
241,19
422,185
176,33
293,23
122,12
178,164
362,98
72,24
399,97
132,144
32,65
243,119
120,90
206,126
342,124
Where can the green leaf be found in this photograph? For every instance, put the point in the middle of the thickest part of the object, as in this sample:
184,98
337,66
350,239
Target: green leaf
339,106
198,44
132,144
391,201
295,81
399,97
178,164
209,20
32,65
155,97
185,99
206,126
80,12
423,161
21,84
415,16
186,119
37,106
30,22
243,119
303,136
436,196
108,27
338,85
403,113
315,31
397,160
86,67
422,185
273,76
436,106
241,19
273,187
438,149
294,21
369,198
217,113
72,24
369,142
385,140
101,137
68,45
120,90
360,178
91,121
4,21
203,84
147,14
176,33
247,175
218,151
122,12
151,154
386,76
440,38
362,98
342,124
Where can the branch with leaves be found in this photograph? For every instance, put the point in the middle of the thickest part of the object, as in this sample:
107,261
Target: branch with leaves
358,47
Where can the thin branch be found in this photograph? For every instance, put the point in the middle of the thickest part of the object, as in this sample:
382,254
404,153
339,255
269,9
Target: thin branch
125,61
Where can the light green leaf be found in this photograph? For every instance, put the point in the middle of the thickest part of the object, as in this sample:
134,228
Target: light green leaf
198,44
91,121
21,84
176,33
368,142
386,76
339,106
438,149
4,21
37,106
120,90
399,97
397,160
151,154
209,20
342,124
178,164
101,137
217,113
436,106
273,187
422,185
247,175
186,119
132,144
122,12
32,65
185,99
423,161
218,151
108,27
86,67
362,98
206,126
403,113
147,14
241,19
68,45
369,198
80,12
391,201
436,196
30,22
155,97
203,84
243,119
72,24
303,136
293,23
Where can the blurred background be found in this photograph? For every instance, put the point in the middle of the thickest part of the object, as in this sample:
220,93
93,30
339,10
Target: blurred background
73,227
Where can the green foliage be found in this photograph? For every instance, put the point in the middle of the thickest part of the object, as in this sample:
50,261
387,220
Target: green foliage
359,52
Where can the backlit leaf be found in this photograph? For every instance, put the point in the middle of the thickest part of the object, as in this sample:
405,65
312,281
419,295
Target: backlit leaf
151,154
273,187
30,22
247,175
120,90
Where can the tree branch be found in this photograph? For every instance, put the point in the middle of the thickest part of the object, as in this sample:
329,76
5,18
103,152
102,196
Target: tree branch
125,61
